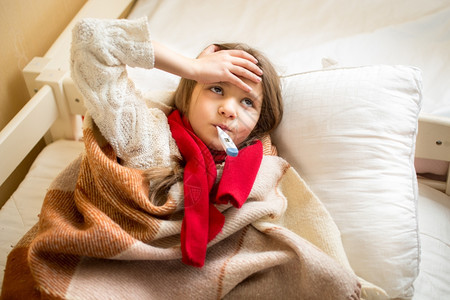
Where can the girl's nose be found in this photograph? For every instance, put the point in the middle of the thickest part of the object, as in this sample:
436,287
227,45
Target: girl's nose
227,109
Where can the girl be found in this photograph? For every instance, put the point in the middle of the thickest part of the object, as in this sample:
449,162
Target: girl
225,87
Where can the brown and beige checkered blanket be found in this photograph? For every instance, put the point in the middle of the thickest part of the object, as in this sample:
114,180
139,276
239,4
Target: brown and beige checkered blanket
100,238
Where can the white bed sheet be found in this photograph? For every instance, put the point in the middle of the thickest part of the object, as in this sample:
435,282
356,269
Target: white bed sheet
434,229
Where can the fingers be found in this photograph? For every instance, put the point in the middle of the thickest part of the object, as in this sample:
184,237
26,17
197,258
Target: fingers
242,68
243,54
244,65
238,58
239,83
247,69
238,73
227,65
245,60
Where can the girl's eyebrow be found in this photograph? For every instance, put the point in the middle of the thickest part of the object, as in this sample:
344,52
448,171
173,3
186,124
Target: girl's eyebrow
252,95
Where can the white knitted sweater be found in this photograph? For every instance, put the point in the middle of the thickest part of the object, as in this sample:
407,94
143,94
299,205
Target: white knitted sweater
101,49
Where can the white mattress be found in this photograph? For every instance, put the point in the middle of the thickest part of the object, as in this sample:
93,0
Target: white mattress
21,211
434,228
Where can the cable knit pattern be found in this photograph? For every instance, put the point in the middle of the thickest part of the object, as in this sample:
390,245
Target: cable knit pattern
101,49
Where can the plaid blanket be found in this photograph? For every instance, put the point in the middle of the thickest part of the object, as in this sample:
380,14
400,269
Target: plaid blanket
100,238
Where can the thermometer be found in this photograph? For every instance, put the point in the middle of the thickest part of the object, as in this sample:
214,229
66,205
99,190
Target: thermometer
227,142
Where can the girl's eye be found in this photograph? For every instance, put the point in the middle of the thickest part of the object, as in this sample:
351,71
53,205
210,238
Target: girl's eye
247,102
216,90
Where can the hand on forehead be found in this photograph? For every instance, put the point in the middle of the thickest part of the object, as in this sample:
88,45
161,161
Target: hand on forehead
233,66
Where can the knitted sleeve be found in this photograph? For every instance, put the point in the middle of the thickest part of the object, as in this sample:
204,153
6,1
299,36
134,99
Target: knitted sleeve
100,51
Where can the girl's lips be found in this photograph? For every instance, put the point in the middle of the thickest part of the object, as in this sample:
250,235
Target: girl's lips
224,128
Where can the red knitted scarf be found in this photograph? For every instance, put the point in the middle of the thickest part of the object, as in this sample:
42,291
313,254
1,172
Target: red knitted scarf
202,220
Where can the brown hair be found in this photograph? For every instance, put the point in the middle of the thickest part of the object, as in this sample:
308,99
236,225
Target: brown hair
161,179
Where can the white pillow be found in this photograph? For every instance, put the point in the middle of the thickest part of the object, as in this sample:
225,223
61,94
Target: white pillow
350,133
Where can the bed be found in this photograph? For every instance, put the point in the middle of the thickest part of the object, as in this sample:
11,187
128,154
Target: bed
366,124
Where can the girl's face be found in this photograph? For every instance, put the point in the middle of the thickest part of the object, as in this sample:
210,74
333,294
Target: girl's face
227,106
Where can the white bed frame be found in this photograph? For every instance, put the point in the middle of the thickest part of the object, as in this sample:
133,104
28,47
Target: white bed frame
55,109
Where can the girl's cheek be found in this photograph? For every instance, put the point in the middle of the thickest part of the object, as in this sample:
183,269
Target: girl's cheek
249,121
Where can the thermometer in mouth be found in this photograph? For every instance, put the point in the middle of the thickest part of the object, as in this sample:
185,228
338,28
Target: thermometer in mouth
227,142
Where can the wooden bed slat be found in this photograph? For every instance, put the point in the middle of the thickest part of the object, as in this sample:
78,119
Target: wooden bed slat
23,132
